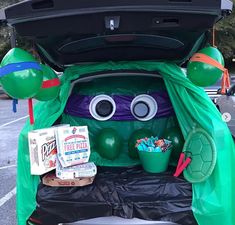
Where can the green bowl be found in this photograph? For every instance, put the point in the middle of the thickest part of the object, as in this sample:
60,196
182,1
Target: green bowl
155,162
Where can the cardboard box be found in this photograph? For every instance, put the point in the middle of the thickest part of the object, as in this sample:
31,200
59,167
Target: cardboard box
78,171
73,145
43,149
53,181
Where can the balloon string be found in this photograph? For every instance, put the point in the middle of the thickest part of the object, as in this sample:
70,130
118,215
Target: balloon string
225,80
14,105
213,37
30,105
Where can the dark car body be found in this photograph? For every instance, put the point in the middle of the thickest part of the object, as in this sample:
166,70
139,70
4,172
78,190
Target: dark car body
75,32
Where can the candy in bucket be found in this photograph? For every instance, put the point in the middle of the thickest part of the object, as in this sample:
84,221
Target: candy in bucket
154,154
153,144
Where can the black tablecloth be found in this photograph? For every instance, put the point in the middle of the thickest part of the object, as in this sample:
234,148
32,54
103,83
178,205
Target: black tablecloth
123,192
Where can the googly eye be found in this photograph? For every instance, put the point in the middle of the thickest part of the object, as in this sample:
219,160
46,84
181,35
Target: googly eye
144,107
102,107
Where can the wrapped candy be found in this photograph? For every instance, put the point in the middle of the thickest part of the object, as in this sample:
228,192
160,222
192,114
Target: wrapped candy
153,144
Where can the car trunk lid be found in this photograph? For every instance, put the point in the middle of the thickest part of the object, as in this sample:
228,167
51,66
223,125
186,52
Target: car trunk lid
78,31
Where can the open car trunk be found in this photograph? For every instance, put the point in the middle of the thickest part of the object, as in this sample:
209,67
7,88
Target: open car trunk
119,196
86,38
121,187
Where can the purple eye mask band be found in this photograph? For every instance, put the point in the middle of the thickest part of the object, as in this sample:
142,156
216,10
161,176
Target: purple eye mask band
78,105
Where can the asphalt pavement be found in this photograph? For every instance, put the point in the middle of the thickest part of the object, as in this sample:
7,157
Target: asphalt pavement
10,126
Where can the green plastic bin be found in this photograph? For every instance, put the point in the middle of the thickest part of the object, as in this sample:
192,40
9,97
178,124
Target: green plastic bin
155,162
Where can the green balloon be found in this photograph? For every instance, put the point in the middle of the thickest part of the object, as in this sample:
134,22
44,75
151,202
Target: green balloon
203,74
175,135
138,134
108,143
46,94
21,84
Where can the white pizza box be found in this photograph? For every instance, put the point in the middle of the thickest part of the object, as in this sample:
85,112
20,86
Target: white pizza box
79,171
73,145
43,149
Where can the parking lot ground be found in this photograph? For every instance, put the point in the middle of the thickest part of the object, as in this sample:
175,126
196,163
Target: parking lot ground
10,127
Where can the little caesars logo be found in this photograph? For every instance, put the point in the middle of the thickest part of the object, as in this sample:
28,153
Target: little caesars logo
48,149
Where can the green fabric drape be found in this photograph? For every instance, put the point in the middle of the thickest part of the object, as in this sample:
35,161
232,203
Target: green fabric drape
213,200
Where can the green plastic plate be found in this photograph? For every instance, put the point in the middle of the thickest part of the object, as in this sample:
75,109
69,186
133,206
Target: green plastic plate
200,147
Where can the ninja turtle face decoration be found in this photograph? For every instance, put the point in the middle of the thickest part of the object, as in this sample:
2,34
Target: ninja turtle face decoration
21,74
22,77
119,111
50,87
206,67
